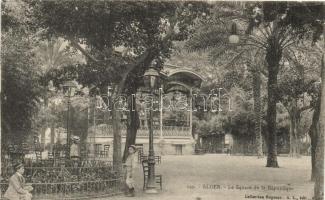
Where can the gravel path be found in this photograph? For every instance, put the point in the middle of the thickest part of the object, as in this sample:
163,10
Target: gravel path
217,176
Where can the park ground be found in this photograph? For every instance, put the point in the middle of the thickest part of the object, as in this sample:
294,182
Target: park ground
224,177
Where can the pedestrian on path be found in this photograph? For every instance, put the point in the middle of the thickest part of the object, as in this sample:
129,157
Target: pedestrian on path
130,165
18,190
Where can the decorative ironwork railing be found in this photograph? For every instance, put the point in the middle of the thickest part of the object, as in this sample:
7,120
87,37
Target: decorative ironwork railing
73,189
93,179
35,172
167,131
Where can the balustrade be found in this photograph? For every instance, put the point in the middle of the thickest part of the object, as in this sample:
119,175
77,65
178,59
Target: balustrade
168,131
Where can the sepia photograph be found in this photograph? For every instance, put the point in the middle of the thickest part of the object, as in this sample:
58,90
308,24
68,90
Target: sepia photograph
165,99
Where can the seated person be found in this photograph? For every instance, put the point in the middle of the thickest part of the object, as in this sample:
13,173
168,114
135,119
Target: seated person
18,190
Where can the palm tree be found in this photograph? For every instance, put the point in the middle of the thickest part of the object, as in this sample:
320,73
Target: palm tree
52,56
272,37
256,83
214,36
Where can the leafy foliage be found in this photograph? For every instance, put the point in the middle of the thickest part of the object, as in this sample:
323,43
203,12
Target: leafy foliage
102,27
20,84
20,80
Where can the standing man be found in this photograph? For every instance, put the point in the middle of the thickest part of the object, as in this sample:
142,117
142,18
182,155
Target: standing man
130,165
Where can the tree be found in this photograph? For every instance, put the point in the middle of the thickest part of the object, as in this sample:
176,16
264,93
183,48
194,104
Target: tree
257,110
318,129
319,156
146,28
272,28
20,80
316,133
292,90
288,26
52,54
311,16
213,34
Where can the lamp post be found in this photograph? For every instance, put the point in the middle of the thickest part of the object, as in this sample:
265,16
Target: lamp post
150,81
68,89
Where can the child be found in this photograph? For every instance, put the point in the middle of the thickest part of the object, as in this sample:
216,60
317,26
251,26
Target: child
130,164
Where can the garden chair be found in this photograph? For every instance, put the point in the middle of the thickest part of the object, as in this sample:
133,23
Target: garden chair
158,177
143,157
97,150
39,160
140,154
105,152
84,154
11,151
158,159
25,148
50,155
11,148
56,155
50,159
38,156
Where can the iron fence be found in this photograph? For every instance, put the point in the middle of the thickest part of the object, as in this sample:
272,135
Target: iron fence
91,180
54,174
73,189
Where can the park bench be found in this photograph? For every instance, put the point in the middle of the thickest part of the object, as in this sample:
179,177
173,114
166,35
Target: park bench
158,177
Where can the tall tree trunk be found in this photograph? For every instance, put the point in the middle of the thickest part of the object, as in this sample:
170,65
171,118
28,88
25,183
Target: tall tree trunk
319,156
117,140
294,122
43,131
313,134
91,122
294,140
52,134
132,125
257,112
45,126
117,137
273,57
84,131
314,130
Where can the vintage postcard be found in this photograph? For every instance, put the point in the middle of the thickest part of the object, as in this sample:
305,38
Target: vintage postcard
201,100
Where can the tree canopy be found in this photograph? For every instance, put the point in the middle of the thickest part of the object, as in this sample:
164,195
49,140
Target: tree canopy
144,30
20,78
